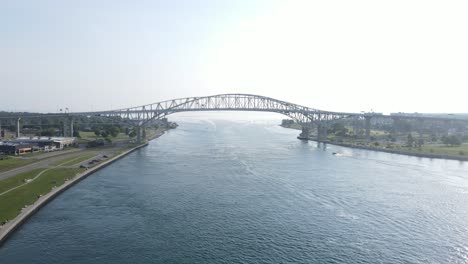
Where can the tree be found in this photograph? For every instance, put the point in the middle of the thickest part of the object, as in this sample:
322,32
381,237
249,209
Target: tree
50,132
97,132
132,134
451,140
339,129
113,131
420,142
104,134
410,140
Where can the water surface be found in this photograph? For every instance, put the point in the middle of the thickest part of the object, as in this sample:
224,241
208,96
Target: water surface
250,192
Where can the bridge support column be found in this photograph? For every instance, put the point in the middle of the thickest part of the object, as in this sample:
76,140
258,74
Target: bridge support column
325,132
447,126
18,128
395,126
143,133
71,126
321,132
305,134
356,126
420,127
64,129
368,127
138,132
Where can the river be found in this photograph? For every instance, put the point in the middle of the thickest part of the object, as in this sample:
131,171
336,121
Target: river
250,192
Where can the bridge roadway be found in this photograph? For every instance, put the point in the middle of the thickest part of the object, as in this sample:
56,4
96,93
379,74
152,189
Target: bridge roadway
307,117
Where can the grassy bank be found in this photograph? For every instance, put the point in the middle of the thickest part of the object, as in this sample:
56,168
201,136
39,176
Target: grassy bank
453,151
85,135
384,141
12,202
18,180
22,193
13,163
427,150
74,160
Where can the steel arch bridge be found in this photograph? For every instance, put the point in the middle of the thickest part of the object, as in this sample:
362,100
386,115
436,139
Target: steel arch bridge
222,102
306,117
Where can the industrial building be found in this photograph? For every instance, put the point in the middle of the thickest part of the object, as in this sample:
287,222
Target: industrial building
15,148
32,144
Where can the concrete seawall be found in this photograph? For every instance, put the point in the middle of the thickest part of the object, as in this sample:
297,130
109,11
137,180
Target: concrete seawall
8,229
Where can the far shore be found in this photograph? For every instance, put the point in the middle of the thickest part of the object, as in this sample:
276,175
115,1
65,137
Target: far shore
393,151
381,149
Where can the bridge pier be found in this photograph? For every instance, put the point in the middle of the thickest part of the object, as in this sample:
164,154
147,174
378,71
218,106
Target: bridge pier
368,126
64,128
305,134
138,132
356,126
322,132
71,126
395,127
447,126
18,128
420,128
319,131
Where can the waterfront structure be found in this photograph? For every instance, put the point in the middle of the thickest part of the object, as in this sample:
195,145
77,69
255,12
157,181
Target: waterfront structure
23,145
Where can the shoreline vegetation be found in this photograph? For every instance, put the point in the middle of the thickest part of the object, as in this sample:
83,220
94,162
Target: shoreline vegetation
431,150
24,193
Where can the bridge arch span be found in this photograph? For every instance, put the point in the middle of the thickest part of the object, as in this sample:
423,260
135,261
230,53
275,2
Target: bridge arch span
221,102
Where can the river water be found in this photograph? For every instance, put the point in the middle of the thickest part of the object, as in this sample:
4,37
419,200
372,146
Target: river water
250,192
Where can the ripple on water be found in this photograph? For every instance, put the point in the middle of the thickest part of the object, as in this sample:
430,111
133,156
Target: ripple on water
226,192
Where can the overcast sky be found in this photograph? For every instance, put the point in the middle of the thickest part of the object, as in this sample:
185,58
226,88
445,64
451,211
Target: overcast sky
353,56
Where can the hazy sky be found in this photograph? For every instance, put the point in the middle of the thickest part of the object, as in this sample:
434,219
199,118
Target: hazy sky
335,55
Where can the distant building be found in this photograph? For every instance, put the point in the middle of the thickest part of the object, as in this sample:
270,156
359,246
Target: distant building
15,149
31,144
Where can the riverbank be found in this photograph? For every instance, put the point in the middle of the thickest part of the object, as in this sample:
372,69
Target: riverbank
427,151
9,228
393,151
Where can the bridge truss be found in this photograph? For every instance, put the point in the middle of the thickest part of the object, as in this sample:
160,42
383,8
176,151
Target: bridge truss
305,116
223,102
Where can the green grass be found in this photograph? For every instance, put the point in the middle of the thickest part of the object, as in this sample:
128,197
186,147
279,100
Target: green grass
12,163
377,133
434,149
85,134
78,160
440,150
74,160
32,154
18,179
12,202
91,136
